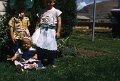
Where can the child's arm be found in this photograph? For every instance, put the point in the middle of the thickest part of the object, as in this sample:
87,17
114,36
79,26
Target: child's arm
11,24
12,34
35,56
59,26
14,57
38,23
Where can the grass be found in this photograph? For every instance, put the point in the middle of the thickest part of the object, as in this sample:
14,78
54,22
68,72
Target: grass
94,61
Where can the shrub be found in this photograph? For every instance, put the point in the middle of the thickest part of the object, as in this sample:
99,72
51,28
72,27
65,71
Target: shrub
4,38
68,7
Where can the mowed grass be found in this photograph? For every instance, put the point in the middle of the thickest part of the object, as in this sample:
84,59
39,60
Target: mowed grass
94,61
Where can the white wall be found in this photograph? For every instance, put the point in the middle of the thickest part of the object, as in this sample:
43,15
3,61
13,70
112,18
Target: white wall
3,4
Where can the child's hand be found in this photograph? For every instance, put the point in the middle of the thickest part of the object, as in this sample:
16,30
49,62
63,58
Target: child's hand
13,58
8,58
58,35
13,39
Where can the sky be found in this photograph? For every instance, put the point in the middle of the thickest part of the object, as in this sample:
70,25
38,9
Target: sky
82,3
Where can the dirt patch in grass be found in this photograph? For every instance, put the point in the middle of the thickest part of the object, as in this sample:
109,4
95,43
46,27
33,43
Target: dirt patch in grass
90,53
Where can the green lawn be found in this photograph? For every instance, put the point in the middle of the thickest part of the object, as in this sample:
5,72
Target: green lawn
93,61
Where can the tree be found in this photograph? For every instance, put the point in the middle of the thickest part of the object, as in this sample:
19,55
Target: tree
68,7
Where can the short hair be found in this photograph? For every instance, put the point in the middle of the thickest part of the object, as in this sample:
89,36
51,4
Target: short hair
26,39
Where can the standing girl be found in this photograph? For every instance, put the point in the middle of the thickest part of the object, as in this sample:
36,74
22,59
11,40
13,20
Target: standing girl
45,36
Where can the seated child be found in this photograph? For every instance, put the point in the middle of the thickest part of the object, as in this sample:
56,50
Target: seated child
26,57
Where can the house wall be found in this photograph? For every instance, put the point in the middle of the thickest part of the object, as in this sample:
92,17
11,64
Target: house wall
3,4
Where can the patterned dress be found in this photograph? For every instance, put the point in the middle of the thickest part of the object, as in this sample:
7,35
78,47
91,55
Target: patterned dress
20,27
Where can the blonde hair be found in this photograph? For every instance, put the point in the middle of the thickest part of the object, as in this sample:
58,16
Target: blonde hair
28,39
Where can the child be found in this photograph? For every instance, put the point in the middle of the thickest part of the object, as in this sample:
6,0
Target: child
19,24
26,57
45,36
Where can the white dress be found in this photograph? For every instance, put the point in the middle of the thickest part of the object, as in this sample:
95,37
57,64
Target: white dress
45,37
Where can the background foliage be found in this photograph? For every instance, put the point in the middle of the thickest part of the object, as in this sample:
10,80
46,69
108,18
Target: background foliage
4,37
68,7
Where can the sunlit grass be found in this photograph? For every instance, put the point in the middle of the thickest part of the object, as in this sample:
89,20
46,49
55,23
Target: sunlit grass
105,66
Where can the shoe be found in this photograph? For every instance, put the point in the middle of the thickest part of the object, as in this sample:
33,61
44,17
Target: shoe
19,68
40,68
43,67
54,66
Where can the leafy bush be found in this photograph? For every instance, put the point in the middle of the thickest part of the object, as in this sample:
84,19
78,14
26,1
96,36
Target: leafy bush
4,38
65,48
68,7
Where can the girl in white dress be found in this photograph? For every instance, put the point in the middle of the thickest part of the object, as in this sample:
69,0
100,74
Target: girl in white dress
45,36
